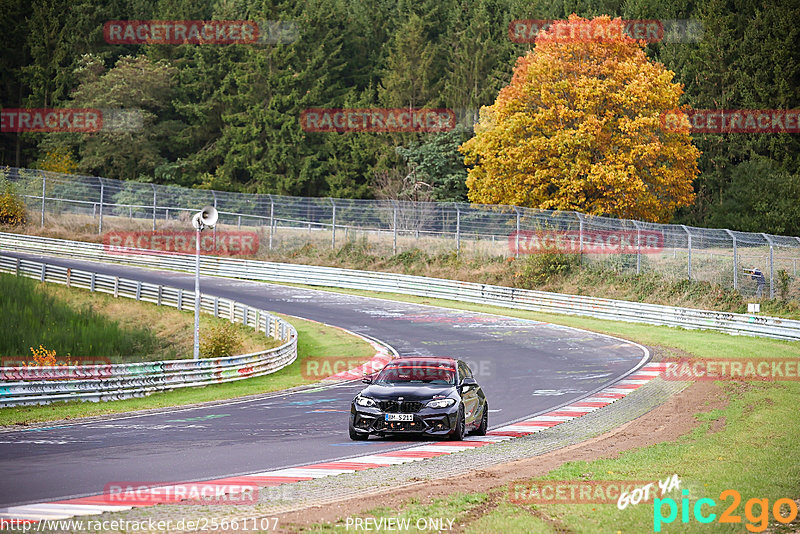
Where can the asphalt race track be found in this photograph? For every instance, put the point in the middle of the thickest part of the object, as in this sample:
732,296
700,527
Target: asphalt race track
525,367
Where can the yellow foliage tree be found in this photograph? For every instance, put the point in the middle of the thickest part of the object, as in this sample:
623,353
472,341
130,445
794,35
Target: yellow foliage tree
579,128
58,160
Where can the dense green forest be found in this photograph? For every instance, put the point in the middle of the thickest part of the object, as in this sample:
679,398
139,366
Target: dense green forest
227,116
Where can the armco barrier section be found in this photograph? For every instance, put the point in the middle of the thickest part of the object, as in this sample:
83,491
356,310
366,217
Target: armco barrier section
485,294
43,385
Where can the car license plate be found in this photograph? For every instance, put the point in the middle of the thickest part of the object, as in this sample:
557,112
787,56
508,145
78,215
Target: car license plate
399,417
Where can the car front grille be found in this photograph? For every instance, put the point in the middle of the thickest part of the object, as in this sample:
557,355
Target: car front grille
400,406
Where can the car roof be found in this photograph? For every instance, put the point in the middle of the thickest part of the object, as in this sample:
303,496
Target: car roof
424,359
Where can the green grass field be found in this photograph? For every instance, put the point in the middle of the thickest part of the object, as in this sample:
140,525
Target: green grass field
34,317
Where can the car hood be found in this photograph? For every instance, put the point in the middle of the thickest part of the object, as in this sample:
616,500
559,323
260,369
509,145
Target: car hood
415,392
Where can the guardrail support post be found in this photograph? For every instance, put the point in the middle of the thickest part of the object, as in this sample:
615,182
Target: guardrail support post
232,311
116,286
17,267
69,272
771,267
91,283
102,192
44,194
180,299
735,261
516,235
139,290
458,230
689,249
44,272
216,306
160,289
244,315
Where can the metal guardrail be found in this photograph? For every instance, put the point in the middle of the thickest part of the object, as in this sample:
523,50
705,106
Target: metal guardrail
43,385
619,310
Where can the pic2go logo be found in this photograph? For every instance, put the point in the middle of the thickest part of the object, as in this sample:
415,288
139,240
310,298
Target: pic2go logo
758,523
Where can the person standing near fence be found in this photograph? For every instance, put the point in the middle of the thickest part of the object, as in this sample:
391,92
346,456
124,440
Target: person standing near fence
758,276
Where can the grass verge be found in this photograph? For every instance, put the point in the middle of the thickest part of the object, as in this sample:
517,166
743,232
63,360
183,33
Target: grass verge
314,340
77,323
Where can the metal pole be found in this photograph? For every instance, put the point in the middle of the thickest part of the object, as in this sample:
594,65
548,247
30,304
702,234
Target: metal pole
196,352
638,247
458,231
44,188
102,191
271,213
735,261
394,228
154,207
333,226
580,236
690,250
214,194
516,235
771,267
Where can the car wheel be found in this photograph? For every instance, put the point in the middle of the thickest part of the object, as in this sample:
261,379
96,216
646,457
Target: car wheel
458,432
355,435
481,430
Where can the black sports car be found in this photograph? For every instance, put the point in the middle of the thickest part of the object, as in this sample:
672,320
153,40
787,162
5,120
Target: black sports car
420,395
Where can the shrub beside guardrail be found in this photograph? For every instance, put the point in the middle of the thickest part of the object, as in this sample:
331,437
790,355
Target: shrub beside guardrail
43,385
541,301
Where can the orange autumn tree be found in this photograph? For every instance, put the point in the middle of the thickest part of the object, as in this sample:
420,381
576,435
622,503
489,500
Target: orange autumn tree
579,128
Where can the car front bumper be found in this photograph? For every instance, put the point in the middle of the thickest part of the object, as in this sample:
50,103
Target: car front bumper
427,421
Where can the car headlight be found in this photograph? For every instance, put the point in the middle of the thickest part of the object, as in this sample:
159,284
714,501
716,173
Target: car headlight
440,403
364,401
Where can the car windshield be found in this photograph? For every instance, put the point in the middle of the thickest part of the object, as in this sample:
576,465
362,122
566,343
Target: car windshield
417,374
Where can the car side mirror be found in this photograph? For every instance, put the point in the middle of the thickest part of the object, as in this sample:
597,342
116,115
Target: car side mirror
367,379
468,383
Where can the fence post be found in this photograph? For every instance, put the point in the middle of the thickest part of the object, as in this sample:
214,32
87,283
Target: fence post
735,261
516,234
154,207
689,249
214,230
271,213
458,230
102,191
580,236
333,226
771,268
44,190
394,227
638,247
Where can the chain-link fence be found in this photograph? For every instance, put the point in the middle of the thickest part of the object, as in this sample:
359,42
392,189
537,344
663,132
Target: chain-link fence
754,264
